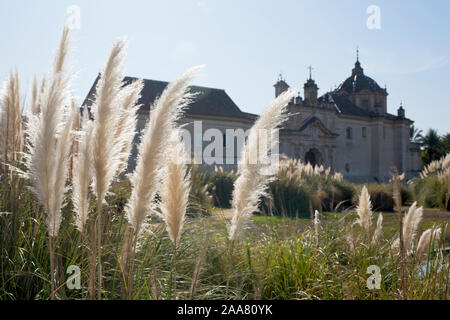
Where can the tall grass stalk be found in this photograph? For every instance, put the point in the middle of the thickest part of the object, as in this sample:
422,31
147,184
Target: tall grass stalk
175,195
252,180
144,180
397,195
114,124
11,145
48,145
364,211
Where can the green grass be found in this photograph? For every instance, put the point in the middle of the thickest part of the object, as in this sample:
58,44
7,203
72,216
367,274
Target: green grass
432,217
279,258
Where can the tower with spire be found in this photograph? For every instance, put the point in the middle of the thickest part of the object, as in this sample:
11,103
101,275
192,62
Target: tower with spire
310,88
401,111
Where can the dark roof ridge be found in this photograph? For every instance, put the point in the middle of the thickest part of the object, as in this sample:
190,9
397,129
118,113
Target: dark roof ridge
209,101
162,81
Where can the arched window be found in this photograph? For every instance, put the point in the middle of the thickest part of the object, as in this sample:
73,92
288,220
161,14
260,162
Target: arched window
347,167
349,133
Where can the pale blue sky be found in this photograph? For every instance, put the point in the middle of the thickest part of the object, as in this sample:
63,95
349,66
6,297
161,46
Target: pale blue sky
245,45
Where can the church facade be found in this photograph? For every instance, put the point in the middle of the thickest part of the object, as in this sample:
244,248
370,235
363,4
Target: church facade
348,129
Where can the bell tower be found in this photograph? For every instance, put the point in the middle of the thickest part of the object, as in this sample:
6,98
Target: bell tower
281,86
310,88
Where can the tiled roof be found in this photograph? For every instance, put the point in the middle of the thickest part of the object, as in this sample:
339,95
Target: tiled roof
343,105
208,101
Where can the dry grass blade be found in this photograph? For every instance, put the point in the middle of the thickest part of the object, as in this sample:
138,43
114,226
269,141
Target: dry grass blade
11,141
82,176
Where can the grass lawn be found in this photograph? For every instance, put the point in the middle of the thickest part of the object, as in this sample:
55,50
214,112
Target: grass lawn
284,226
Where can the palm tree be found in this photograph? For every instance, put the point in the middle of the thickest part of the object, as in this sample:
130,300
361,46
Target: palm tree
445,141
415,134
432,144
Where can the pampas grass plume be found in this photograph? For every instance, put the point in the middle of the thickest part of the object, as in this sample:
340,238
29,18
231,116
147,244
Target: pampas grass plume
251,183
410,225
153,146
175,190
82,176
11,140
106,156
364,210
378,229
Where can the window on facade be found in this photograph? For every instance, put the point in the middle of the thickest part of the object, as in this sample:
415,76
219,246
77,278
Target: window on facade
364,132
349,133
224,140
365,103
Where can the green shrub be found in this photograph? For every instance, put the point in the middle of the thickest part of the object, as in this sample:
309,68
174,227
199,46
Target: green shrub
381,196
296,193
431,192
220,186
287,198
200,200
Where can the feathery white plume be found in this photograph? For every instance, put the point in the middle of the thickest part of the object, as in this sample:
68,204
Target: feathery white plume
378,230
82,176
364,210
410,225
152,148
11,136
316,223
48,139
175,190
251,183
106,154
316,217
126,126
425,241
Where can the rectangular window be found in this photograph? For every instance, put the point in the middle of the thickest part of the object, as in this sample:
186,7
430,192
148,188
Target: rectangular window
349,133
364,132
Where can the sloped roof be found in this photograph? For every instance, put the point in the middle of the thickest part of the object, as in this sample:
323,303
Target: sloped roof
343,105
208,101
